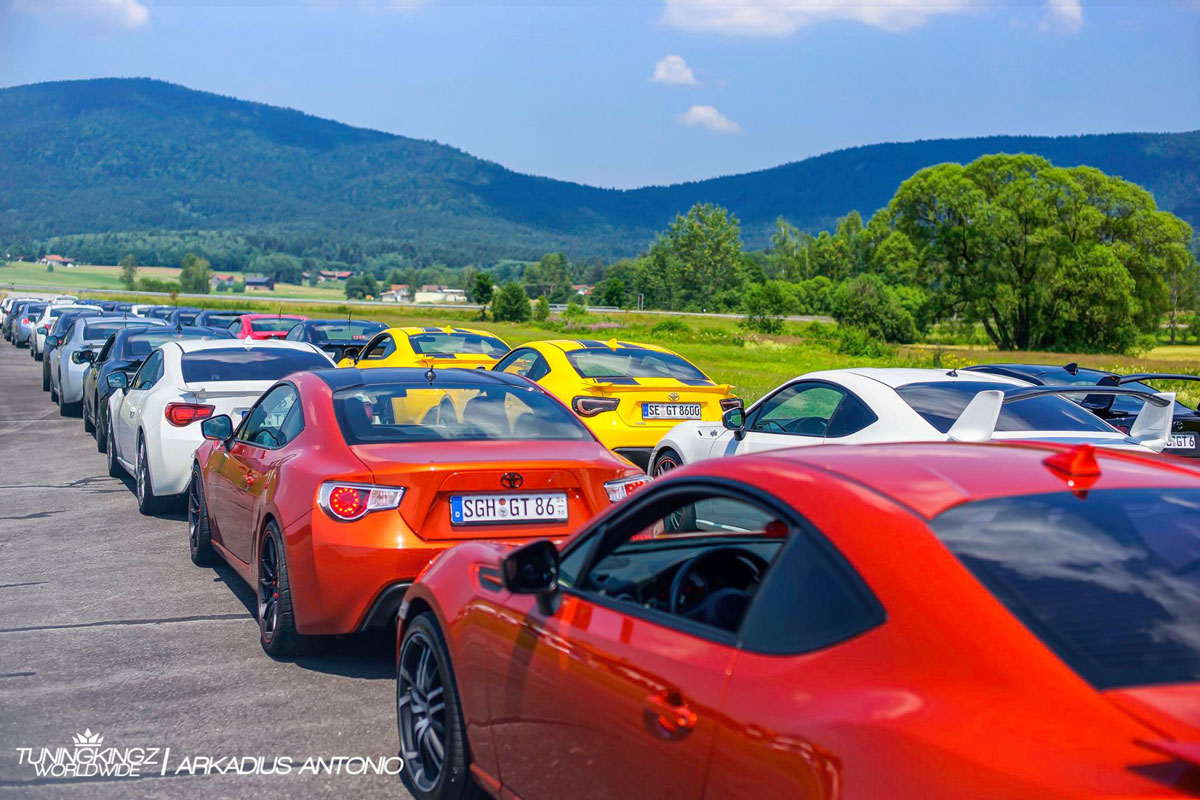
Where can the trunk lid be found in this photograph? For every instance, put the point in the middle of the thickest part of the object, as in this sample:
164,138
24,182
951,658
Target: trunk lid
233,398
434,472
668,391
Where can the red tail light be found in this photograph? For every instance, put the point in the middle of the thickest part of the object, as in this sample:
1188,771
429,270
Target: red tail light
591,406
731,402
183,414
349,501
622,488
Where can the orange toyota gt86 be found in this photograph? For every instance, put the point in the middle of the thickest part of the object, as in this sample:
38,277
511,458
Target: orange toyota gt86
339,486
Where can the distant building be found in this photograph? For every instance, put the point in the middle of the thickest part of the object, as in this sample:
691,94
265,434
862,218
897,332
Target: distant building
222,281
396,293
438,294
583,289
57,261
333,275
260,284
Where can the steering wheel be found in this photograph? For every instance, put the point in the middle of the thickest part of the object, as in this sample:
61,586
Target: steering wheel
755,564
770,426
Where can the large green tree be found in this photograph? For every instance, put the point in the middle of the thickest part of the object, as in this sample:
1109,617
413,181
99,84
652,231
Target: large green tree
195,275
701,252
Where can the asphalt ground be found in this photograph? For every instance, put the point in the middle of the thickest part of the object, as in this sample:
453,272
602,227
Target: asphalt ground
106,626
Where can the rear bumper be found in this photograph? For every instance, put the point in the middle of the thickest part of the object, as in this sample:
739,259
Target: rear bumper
638,455
383,611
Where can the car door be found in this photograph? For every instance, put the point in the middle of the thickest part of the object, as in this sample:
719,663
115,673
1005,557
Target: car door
376,351
129,410
801,414
526,362
256,448
612,693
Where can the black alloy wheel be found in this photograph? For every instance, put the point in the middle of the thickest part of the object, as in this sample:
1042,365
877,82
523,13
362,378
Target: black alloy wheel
199,535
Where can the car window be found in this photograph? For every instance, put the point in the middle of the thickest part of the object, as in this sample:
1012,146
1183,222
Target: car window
941,403
380,348
248,363
264,425
526,363
235,327
802,409
442,343
695,558
851,416
105,349
632,362
149,373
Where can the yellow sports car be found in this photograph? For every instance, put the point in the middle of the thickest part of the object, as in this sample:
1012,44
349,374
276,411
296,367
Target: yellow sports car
629,394
429,347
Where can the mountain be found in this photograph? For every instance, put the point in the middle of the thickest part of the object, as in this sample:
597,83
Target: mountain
130,155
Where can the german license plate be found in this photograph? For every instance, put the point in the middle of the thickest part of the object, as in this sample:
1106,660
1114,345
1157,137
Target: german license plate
670,411
1182,441
474,509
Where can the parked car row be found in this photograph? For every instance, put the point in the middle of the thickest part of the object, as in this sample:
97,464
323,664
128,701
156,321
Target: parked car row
994,592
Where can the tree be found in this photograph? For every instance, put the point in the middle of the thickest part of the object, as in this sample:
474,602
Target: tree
510,304
1183,280
610,292
195,275
541,309
129,268
702,252
480,288
766,305
788,254
551,276
870,305
360,286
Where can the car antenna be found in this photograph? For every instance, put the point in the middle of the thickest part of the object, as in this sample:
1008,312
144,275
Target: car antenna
1072,368
953,373
430,375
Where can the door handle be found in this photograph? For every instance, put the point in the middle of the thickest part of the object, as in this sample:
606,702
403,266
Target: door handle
671,712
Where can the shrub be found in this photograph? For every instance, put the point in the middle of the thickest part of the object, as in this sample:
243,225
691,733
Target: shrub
868,303
510,304
765,306
670,328
859,342
541,309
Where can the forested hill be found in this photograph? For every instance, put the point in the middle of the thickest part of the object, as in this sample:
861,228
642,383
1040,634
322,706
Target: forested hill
128,155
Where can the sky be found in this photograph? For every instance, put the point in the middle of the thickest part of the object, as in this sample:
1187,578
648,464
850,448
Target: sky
635,92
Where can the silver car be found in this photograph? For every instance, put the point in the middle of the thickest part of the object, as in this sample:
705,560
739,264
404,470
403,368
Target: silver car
73,354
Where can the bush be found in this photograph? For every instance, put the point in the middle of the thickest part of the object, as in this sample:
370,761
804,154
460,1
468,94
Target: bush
574,310
858,342
868,303
157,285
510,304
670,328
766,304
541,309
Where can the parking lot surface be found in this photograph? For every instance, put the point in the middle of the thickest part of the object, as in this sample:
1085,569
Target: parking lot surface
107,627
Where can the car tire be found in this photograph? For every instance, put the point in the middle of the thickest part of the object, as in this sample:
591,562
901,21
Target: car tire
115,470
199,533
685,518
45,377
89,426
423,674
101,434
149,503
276,621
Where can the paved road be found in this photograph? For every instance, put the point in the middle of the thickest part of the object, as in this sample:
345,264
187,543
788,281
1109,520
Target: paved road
106,625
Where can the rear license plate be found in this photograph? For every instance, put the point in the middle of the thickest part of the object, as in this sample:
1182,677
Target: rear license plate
474,509
1182,441
670,411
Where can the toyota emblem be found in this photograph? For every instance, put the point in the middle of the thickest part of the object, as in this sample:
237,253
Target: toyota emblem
673,396
512,480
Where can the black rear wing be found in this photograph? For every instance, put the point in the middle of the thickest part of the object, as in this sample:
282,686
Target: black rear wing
1039,391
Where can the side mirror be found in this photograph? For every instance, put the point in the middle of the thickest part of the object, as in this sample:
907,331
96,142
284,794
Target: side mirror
117,380
533,569
735,420
351,353
83,356
218,428
52,341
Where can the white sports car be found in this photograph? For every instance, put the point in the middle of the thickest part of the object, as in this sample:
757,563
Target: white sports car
861,405
150,431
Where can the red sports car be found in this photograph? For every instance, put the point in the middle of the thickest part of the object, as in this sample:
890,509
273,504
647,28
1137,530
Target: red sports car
338,486
263,326
909,622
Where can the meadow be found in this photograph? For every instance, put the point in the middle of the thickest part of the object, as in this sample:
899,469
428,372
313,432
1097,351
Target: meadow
753,363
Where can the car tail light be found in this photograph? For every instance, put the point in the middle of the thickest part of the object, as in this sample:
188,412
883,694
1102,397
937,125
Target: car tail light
25,321
350,501
183,414
591,406
731,402
620,489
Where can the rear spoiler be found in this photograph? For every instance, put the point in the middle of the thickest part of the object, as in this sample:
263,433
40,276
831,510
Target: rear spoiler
606,387
1152,428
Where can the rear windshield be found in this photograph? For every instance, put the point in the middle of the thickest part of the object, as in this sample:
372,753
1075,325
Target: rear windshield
273,323
1110,582
446,344
341,330
1121,404
100,330
31,310
940,404
161,313
400,413
247,364
187,317
140,345
630,362
221,320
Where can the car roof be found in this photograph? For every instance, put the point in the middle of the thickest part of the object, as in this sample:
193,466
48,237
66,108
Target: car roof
896,377
273,316
350,377
568,345
193,345
931,477
417,330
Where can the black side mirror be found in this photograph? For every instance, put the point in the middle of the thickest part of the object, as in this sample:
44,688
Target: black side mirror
735,420
52,341
117,380
83,356
218,428
533,569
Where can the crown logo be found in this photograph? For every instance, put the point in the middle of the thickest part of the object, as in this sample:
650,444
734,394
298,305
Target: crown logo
87,739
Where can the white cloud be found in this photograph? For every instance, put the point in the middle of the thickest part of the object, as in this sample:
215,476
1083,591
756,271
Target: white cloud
674,70
114,13
1063,15
710,119
784,17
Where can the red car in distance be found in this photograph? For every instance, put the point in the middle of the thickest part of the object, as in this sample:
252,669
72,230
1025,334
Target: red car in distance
338,486
263,326
908,621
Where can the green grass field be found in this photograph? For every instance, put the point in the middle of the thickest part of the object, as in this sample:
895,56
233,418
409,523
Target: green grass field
751,363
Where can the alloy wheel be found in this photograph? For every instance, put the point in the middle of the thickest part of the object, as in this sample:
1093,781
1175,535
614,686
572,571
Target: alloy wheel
141,474
194,511
421,707
268,588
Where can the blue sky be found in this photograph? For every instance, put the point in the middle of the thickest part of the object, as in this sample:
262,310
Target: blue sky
568,90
